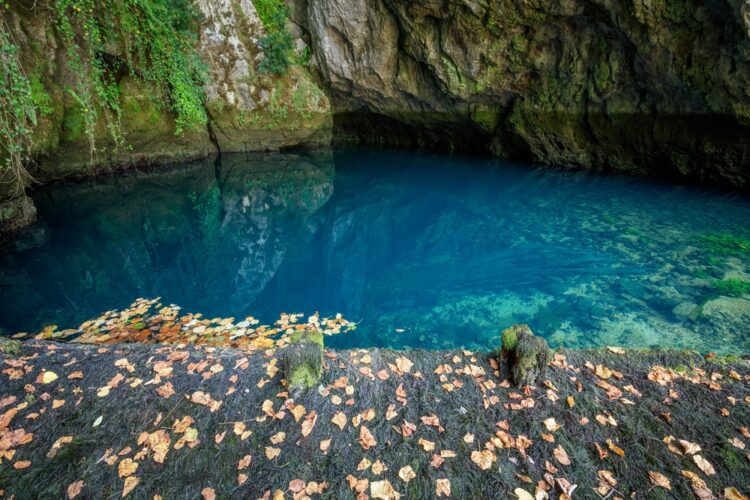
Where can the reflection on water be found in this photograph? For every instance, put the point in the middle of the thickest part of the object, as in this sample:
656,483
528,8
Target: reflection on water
424,251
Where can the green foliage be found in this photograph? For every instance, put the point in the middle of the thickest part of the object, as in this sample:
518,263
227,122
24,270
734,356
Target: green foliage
731,287
152,39
277,44
157,40
17,113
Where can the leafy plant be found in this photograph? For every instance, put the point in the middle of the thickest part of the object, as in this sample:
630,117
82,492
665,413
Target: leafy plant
277,44
17,114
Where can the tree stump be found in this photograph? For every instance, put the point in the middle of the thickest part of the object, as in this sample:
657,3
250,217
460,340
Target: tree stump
523,355
303,360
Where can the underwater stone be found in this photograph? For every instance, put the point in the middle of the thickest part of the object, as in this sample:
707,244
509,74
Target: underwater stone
303,360
524,355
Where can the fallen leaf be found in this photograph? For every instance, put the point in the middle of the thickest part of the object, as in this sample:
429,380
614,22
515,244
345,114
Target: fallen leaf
74,489
522,494
551,424
127,468
426,445
406,473
731,493
48,377
659,479
704,465
443,488
483,459
340,420
272,452
22,464
383,490
366,439
130,483
561,455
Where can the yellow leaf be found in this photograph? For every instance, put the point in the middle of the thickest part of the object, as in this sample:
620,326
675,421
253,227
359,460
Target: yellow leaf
426,445
443,488
660,480
522,494
483,459
406,473
278,438
383,490
49,377
74,489
704,465
309,423
272,452
339,419
731,493
127,468
561,455
130,483
551,424
404,364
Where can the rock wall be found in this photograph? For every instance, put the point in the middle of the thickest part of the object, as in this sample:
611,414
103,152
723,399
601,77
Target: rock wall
247,111
651,87
656,87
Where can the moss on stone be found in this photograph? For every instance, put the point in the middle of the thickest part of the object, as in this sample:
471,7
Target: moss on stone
11,347
303,359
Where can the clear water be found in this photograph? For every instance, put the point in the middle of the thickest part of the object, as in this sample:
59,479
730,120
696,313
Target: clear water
424,251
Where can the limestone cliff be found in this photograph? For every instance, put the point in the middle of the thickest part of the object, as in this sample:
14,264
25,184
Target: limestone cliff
652,87
657,87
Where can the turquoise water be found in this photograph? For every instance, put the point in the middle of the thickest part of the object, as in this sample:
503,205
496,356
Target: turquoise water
422,250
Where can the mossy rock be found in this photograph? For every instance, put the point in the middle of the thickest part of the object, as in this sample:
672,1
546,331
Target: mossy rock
303,360
11,348
524,356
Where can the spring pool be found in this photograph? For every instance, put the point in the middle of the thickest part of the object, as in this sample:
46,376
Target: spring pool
422,250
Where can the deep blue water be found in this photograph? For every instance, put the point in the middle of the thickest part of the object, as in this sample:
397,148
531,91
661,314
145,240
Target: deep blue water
423,250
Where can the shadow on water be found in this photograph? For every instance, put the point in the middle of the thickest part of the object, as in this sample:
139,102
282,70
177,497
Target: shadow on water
424,250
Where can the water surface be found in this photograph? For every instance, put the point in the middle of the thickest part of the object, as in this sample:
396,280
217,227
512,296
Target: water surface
423,250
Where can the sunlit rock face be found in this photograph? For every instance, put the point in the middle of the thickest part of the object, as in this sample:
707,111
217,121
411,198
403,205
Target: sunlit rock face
651,87
249,110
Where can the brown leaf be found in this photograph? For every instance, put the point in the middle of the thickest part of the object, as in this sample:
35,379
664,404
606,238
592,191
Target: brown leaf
272,452
366,439
340,420
443,488
130,483
383,490
483,459
309,423
208,494
561,455
406,473
127,468
74,489
704,465
659,479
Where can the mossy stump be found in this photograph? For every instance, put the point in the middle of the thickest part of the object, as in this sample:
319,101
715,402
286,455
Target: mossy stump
303,360
524,357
